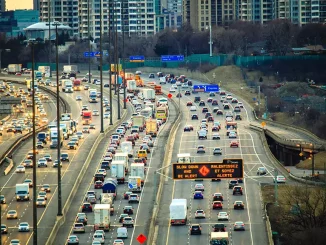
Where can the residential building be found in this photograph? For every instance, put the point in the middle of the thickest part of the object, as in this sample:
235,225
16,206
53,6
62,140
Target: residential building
202,13
2,5
94,18
36,4
63,11
13,22
170,15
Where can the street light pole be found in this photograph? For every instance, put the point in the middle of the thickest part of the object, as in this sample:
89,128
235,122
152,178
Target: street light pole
210,41
101,68
123,63
313,160
32,43
110,70
89,41
50,46
275,187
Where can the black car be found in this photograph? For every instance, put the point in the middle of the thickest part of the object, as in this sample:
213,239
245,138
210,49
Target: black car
204,110
186,129
201,103
219,228
18,130
226,107
128,210
195,229
197,99
238,117
187,93
64,157
87,207
237,190
98,177
232,183
194,117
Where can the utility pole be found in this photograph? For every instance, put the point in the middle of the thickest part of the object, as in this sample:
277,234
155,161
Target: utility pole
110,70
275,187
101,68
123,53
259,98
89,40
266,107
313,160
50,46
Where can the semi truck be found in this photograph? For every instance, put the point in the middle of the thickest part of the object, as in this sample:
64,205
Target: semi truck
151,127
134,184
178,212
67,86
22,192
149,94
122,156
77,85
70,68
54,137
183,158
139,121
131,86
107,198
14,68
138,169
92,95
87,117
102,217
118,171
219,238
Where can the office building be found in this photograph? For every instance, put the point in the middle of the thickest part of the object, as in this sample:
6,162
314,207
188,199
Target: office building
202,13
2,5
63,11
170,15
36,4
13,23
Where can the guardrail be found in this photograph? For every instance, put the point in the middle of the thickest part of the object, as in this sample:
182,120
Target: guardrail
61,220
17,142
10,166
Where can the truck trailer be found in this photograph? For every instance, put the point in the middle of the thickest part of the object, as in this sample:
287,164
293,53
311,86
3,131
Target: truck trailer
102,217
178,212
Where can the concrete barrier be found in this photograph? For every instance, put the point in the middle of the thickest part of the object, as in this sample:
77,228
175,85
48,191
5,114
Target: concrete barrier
60,220
10,166
268,228
166,161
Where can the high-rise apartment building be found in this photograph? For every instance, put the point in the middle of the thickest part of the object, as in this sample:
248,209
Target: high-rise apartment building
63,11
36,4
202,13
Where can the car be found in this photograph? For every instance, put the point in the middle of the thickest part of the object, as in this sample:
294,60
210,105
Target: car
217,197
151,75
96,113
179,95
85,130
234,100
217,205
204,110
46,188
87,207
238,226
64,157
279,179
15,242
40,202
238,205
201,149
261,171
4,229
12,214
209,118
209,100
200,214
234,144
100,232
217,151
201,103
133,198
216,136
128,222
189,103
187,129
80,135
78,228
97,242
23,226
193,108
81,218
172,90
29,182
194,117
91,199
223,216
128,210
122,216
219,112
98,184
118,242
214,102
240,104
237,190
106,115
126,195
55,164
42,194
199,187
198,195
72,239
195,229
79,98
92,126
20,169
215,129
187,92
232,135
229,97
40,145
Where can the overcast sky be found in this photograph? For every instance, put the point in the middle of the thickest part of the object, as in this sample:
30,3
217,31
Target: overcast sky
14,4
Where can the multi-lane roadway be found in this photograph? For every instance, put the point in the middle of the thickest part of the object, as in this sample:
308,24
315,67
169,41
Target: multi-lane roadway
46,216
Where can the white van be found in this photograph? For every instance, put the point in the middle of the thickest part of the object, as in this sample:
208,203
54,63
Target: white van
122,232
126,147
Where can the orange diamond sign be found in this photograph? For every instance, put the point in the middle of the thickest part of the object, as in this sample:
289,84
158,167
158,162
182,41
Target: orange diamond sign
204,171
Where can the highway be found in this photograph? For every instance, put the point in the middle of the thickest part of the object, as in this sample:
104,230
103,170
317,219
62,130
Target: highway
141,210
47,216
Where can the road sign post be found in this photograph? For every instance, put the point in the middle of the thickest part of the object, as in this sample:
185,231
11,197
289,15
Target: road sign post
207,88
137,58
172,58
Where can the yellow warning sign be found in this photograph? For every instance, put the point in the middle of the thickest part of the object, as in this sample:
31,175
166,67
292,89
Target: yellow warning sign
263,124
300,154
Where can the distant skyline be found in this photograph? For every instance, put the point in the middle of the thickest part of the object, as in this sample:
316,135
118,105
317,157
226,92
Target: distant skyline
15,4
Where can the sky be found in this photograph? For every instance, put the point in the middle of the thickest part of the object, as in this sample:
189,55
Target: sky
16,4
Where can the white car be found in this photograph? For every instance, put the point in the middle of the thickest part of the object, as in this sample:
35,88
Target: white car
118,242
172,90
106,115
193,108
199,187
138,72
78,98
232,135
200,214
96,113
178,83
240,104
42,162
101,171
223,216
20,169
24,226
280,179
99,237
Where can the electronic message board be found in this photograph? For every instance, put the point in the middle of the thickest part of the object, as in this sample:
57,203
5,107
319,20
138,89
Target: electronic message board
228,169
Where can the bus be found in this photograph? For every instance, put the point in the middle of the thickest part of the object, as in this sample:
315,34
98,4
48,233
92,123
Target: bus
147,112
162,113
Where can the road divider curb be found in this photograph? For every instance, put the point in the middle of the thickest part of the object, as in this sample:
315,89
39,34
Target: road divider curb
268,228
10,166
167,160
61,220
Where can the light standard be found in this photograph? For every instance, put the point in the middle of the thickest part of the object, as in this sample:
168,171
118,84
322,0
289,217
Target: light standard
101,69
32,43
6,50
49,24
123,52
110,70
210,40
275,186
312,160
89,41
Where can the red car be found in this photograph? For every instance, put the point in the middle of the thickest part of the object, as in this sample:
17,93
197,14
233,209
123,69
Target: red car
209,100
217,205
234,144
214,102
98,184
210,119
189,103
215,129
136,135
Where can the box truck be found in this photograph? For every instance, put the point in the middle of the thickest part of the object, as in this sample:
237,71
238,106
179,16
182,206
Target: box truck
134,184
22,192
118,171
70,68
178,212
14,68
126,147
67,86
131,86
102,217
219,238
54,137
138,121
122,156
138,169
151,127
149,94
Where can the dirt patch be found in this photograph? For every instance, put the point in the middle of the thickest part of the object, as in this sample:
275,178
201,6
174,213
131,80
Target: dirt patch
320,162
